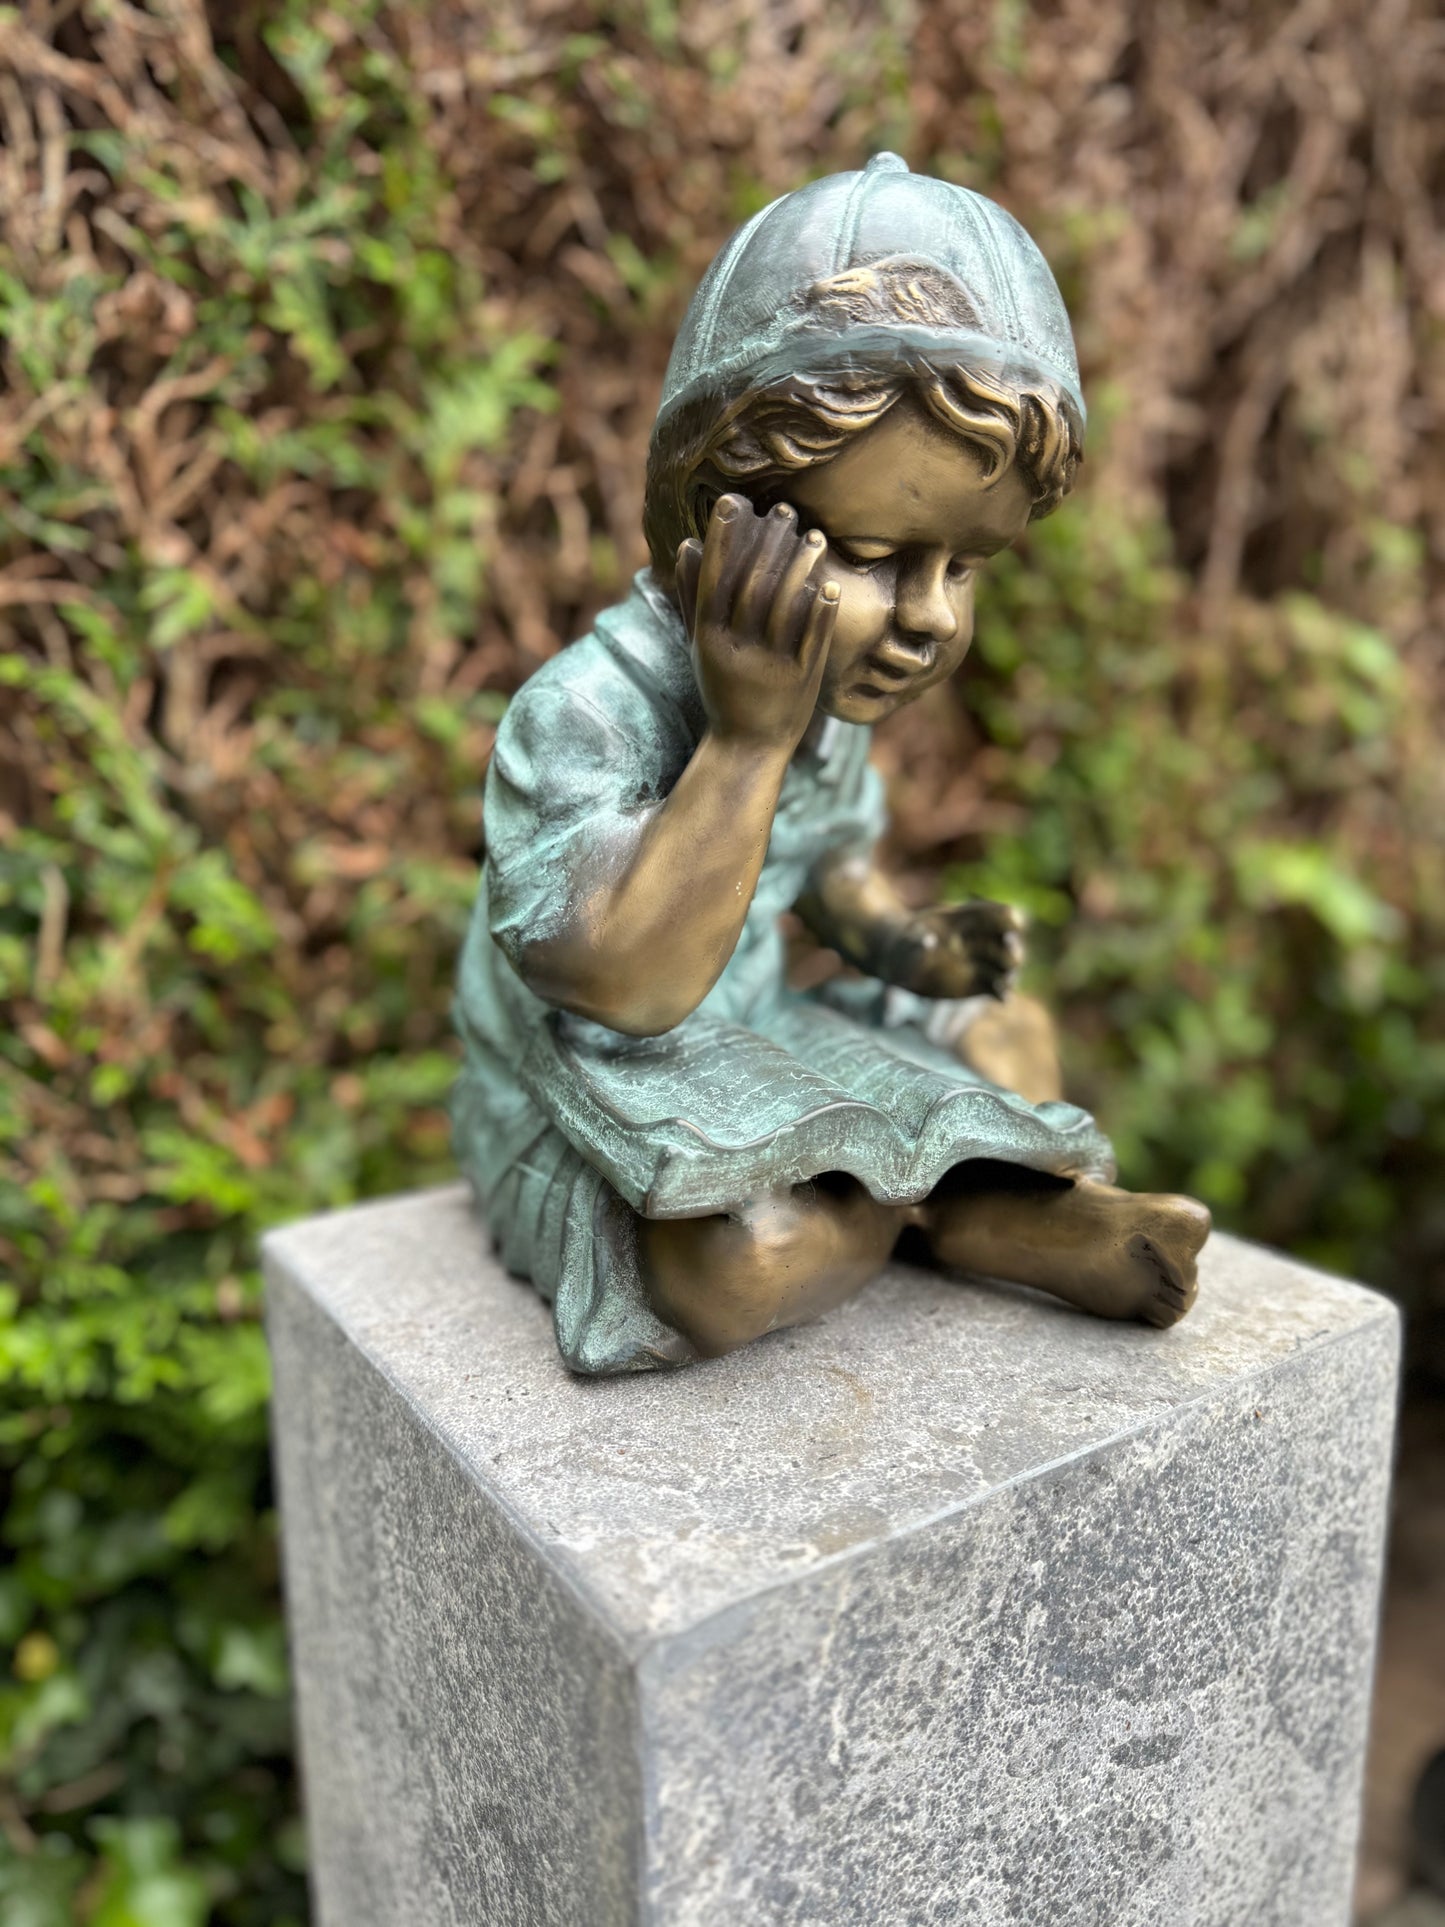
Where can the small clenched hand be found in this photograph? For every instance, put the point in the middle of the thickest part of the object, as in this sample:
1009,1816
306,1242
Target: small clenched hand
761,617
963,950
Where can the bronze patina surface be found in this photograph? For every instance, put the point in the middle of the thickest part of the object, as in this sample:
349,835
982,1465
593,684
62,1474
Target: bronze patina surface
873,393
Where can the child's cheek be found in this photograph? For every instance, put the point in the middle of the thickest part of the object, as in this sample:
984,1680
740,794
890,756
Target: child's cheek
865,611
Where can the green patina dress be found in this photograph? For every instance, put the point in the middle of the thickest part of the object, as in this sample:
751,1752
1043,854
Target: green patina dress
568,1130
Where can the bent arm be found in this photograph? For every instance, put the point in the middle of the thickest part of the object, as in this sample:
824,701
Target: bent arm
653,917
951,950
645,944
649,937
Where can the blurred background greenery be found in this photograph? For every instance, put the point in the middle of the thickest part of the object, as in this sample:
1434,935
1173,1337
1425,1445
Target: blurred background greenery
330,338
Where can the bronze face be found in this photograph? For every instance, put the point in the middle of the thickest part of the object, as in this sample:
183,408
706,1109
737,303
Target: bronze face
910,517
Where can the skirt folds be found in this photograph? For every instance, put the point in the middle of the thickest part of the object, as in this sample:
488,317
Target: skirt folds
610,1128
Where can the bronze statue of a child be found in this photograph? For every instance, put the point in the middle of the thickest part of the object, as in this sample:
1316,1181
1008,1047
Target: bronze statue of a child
873,392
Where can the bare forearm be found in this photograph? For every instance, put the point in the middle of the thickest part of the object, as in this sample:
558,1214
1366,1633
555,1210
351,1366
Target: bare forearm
645,947
852,907
959,950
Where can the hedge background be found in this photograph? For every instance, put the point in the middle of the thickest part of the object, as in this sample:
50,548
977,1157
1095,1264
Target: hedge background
331,336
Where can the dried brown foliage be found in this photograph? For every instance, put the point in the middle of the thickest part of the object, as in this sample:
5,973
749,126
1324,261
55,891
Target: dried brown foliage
1270,298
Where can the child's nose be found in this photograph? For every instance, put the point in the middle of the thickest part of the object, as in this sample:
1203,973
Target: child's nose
924,608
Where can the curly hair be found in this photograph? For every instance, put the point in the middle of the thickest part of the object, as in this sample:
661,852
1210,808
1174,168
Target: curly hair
758,439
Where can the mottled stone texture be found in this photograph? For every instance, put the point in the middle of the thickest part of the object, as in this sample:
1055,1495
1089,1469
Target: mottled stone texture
954,1607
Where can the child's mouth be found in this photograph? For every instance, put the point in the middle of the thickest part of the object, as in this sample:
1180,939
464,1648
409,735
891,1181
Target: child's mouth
868,692
883,679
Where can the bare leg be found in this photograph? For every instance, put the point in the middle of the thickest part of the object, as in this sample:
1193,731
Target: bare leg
1119,1254
779,1260
726,1279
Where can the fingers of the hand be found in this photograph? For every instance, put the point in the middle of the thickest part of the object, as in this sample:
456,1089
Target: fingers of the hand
983,917
689,574
795,594
1000,951
1006,944
818,629
725,553
1003,916
757,585
990,935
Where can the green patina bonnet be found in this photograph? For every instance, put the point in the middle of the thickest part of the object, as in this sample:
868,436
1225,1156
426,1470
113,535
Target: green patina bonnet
752,320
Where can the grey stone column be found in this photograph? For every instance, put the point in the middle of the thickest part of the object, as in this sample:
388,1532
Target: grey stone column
954,1607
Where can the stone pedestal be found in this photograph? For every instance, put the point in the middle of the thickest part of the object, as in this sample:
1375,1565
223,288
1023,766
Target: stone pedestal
956,1607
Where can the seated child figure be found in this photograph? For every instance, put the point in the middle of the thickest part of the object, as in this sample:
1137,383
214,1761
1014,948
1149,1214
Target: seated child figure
873,392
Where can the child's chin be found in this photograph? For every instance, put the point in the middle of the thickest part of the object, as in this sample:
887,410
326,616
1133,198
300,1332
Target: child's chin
852,706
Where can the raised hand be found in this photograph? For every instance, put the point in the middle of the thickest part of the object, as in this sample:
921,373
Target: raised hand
761,619
959,950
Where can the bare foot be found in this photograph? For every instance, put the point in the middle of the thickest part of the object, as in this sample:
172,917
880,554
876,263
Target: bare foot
1167,1261
1118,1254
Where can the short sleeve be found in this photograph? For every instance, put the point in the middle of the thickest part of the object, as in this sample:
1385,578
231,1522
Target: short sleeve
573,767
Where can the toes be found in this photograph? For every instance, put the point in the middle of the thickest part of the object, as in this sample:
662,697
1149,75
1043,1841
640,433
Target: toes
1159,1315
1176,1283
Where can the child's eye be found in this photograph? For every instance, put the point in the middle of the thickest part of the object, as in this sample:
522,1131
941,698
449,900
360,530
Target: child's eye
959,571
864,562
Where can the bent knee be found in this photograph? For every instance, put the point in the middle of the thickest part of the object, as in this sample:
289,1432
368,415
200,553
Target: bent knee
772,1262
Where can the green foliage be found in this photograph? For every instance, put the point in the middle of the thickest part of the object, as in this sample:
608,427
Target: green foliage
229,1000
1218,884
